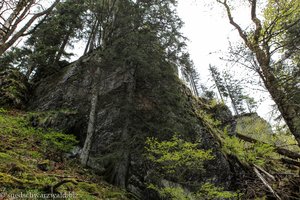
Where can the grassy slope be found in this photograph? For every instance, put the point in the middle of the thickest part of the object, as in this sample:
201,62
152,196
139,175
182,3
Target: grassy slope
31,161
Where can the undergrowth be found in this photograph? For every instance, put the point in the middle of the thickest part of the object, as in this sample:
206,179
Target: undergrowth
33,164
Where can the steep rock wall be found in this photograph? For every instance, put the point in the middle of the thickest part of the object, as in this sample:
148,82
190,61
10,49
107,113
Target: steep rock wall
117,108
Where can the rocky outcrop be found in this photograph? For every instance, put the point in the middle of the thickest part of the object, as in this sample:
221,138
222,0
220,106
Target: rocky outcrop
117,107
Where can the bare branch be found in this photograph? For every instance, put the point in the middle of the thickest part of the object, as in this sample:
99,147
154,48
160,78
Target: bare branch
266,183
256,21
229,15
8,39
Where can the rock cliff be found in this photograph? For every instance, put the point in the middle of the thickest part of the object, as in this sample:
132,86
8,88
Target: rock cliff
115,107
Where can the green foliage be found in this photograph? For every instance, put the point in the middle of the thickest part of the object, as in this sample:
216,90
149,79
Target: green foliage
248,153
56,143
257,128
176,193
207,191
13,88
3,111
176,154
259,153
254,126
207,118
284,138
210,192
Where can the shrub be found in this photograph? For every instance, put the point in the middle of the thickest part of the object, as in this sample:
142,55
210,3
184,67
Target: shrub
176,154
56,144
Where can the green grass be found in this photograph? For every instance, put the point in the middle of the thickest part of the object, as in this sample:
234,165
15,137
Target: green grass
32,162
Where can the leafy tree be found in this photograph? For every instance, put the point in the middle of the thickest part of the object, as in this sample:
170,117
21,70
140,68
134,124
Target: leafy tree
264,42
13,88
41,55
189,73
251,104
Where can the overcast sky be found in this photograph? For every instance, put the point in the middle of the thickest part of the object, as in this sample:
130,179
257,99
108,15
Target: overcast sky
209,31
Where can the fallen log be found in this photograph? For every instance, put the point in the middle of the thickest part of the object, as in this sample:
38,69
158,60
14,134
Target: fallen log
280,150
290,162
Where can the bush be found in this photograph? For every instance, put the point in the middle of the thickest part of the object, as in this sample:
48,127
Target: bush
56,144
176,154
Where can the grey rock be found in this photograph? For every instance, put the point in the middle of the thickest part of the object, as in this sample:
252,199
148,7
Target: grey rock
132,104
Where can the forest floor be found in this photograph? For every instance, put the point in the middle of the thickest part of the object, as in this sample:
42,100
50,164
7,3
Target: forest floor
33,164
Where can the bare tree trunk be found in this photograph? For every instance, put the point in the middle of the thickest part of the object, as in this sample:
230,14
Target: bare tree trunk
84,156
231,98
21,5
193,84
88,45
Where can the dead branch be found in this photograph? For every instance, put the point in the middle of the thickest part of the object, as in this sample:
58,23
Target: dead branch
258,174
265,172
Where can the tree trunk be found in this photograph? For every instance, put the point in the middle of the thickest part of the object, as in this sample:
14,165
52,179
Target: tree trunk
63,45
285,106
84,156
88,45
231,98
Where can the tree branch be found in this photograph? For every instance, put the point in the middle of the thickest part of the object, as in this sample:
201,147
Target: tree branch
258,174
6,45
232,22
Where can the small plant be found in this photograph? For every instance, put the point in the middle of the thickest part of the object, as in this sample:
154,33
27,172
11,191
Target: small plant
56,144
248,153
176,154
209,191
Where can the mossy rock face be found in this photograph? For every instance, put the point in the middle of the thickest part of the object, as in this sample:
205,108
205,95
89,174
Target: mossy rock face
133,103
28,162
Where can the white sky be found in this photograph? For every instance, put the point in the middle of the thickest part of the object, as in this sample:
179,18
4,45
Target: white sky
209,31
